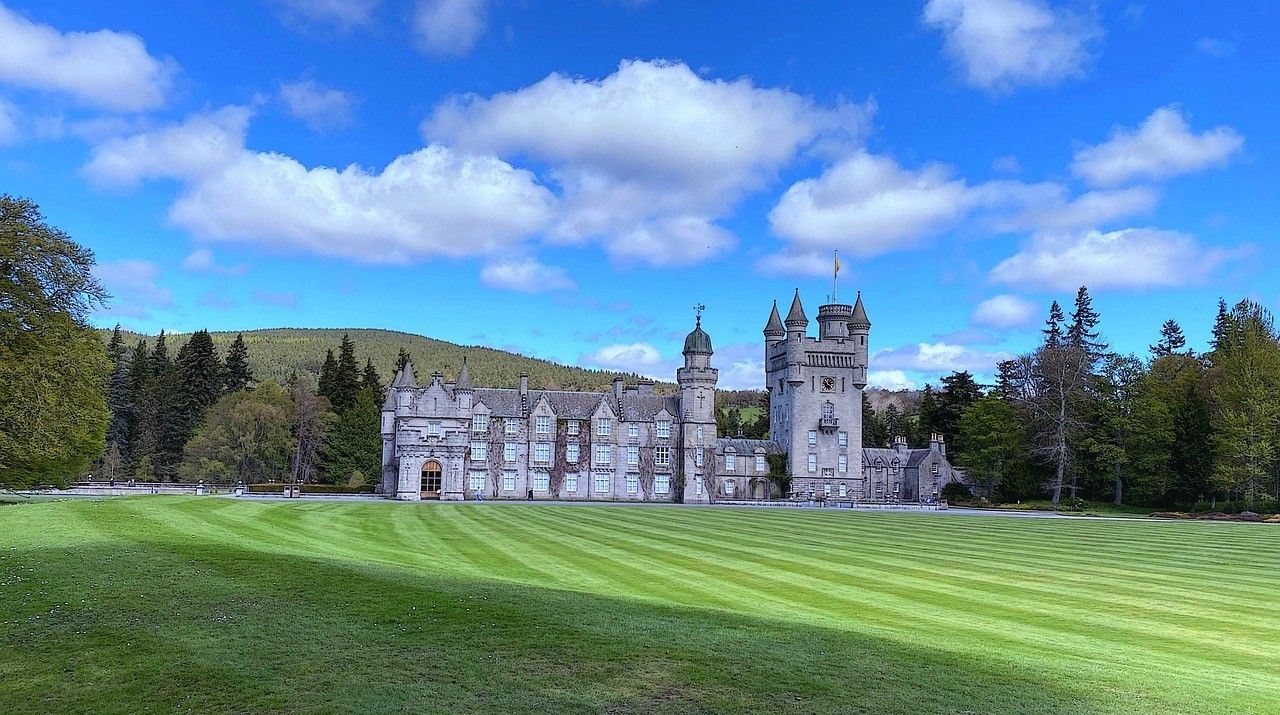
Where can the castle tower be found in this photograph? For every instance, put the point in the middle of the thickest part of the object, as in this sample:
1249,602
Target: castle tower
697,382
815,394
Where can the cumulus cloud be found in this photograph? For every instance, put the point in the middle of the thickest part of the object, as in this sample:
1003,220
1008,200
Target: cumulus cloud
890,380
640,358
321,108
105,69
1162,147
1000,44
202,260
342,13
937,358
649,157
1050,208
428,203
1128,258
1004,311
449,27
134,287
525,275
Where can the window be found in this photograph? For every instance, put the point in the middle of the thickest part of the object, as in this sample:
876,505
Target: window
479,451
662,455
604,455
729,487
475,481
511,426
934,468
699,434
760,463
897,487
633,431
843,463
896,465
480,423
571,483
633,455
541,481
542,424
730,462
633,483
433,429
697,486
826,489
844,489
664,428
508,481
573,428
697,458
604,426
813,462
662,484
602,483
844,439
542,453
813,438
509,452
828,409
572,453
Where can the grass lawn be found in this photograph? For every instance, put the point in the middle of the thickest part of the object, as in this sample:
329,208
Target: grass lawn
164,604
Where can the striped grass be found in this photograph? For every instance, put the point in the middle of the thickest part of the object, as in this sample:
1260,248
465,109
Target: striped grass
162,604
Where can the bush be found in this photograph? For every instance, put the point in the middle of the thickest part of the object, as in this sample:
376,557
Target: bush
277,488
1074,504
955,491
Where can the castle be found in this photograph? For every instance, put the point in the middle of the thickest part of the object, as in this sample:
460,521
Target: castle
455,441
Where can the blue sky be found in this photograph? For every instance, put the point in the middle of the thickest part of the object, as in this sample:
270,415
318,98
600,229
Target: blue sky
569,179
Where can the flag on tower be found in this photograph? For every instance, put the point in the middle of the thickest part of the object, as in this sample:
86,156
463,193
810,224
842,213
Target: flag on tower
837,253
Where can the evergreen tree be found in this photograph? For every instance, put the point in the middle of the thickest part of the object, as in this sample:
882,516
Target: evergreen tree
352,452
1171,340
346,380
1053,325
1219,325
328,373
874,429
895,425
119,398
238,373
995,444
139,373
959,391
200,382
1083,334
929,418
371,380
402,359
1246,397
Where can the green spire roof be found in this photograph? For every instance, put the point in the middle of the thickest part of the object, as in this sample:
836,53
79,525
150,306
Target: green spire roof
697,342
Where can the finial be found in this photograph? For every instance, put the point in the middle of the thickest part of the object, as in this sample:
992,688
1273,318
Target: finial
697,311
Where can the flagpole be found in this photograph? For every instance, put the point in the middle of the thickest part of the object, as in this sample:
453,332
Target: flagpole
835,275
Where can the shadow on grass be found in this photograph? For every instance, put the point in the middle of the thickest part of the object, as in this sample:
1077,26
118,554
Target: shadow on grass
161,626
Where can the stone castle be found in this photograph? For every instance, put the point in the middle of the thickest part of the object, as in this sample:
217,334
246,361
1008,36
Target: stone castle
455,441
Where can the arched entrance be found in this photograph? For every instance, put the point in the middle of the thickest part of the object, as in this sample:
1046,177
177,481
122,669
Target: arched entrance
431,475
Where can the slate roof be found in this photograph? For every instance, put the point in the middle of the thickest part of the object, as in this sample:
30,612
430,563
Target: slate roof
501,401
859,317
909,459
796,315
637,407
748,446
404,378
774,326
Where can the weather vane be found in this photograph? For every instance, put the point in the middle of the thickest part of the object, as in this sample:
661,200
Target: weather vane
697,310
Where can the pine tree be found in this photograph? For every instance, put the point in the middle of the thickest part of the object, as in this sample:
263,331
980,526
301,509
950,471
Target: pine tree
119,401
353,449
959,391
894,425
1083,333
238,373
139,372
1246,398
1053,325
928,418
328,373
1171,339
371,380
200,380
1219,325
402,359
346,380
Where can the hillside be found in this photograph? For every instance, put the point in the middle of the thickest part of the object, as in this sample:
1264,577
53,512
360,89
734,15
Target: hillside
276,353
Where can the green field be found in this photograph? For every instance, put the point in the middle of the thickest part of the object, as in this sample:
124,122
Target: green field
165,604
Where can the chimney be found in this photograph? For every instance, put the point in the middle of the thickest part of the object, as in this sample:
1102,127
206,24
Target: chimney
524,392
617,389
899,444
936,442
645,387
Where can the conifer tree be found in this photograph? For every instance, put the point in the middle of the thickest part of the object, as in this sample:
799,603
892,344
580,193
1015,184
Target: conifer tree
1083,333
1053,325
346,380
959,391
119,398
371,380
238,373
328,373
352,451
402,359
1171,340
139,372
1219,325
200,380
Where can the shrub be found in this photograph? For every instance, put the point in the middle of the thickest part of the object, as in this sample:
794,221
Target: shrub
955,491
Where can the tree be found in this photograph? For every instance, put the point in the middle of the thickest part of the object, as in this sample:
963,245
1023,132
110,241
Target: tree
1048,387
895,425
1246,398
346,378
239,376
875,433
199,381
245,436
1053,325
328,374
1109,429
995,442
928,419
1171,340
959,391
119,395
54,370
402,359
1083,333
312,421
371,380
354,446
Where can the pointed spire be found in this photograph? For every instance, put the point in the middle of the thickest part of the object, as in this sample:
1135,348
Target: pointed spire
796,319
404,378
390,402
858,321
774,329
464,377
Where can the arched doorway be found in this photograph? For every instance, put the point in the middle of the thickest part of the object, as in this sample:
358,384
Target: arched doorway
431,475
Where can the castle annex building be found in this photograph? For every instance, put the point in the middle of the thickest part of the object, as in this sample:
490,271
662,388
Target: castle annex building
454,441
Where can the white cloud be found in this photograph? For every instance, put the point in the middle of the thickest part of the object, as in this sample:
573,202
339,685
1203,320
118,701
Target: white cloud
320,107
867,205
1048,208
449,27
106,69
741,366
343,13
202,260
1128,258
1004,311
525,275
649,155
640,358
200,146
1000,44
134,287
891,380
1162,147
937,357
428,203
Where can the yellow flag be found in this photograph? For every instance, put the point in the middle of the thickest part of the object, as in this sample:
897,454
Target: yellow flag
837,263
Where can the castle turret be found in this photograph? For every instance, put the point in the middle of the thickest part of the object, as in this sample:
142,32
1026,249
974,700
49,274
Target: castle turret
404,385
697,381
860,331
773,330
833,321
797,323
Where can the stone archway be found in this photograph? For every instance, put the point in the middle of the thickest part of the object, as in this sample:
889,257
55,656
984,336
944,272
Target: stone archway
432,475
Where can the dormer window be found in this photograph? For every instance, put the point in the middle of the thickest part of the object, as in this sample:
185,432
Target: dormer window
542,424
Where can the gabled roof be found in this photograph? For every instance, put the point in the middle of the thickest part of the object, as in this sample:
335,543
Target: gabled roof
643,408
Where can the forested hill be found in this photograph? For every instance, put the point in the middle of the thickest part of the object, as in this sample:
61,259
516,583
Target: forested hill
276,353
